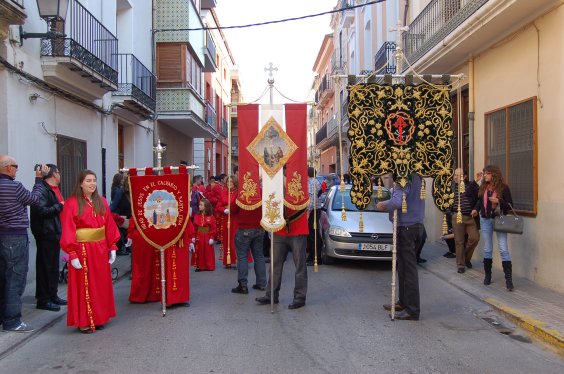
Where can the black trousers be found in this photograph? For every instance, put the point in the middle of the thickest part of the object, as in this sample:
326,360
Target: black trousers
408,279
47,270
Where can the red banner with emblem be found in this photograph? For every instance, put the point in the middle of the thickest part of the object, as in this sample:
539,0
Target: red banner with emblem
160,205
296,196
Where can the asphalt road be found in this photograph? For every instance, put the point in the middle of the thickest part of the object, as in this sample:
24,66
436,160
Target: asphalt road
342,329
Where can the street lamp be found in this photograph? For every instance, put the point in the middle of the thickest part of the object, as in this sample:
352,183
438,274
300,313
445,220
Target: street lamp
52,11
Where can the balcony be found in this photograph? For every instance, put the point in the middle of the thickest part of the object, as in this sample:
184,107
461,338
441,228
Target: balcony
12,12
136,86
456,29
224,127
337,64
181,108
384,62
321,135
211,116
209,54
331,127
325,91
235,146
209,4
86,62
344,112
347,16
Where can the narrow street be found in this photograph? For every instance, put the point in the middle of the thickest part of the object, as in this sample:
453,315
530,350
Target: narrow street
342,329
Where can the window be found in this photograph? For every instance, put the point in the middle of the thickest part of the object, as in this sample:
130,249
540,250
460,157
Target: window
511,145
178,68
71,160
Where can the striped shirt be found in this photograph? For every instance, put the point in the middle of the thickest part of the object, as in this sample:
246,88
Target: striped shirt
467,199
14,199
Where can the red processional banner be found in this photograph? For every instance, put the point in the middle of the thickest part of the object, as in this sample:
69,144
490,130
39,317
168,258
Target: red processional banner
249,196
160,205
296,196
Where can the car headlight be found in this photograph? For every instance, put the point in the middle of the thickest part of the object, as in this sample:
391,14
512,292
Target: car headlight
338,231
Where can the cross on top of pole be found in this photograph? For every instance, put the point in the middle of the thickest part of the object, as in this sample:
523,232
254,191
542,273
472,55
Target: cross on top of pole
270,70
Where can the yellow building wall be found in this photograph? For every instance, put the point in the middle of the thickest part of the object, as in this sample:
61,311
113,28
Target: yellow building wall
505,74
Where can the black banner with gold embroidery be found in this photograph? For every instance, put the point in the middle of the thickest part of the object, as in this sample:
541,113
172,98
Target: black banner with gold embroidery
400,129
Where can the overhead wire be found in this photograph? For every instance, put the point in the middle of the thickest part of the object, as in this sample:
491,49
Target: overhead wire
274,21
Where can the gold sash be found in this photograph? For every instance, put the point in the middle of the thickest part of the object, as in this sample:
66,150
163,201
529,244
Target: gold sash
203,229
90,235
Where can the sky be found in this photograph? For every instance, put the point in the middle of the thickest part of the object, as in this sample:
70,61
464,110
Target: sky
292,46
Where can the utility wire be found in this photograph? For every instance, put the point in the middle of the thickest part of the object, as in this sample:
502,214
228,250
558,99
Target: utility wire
273,22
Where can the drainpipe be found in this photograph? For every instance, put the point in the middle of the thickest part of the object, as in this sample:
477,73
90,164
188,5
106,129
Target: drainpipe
471,111
156,135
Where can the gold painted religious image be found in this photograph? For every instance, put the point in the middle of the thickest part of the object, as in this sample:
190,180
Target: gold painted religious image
272,147
401,130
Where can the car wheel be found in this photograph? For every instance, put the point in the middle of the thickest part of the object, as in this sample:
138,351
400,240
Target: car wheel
326,260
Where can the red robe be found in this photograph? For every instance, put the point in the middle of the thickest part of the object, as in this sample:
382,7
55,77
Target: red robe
204,230
146,269
93,257
222,204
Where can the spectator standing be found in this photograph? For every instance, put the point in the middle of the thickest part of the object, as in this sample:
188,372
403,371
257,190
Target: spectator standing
121,205
46,228
14,242
466,235
89,236
409,232
493,194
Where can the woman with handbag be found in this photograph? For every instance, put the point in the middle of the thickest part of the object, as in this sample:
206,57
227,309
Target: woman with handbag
494,195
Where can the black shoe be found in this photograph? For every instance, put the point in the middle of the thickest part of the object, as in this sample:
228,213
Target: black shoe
405,316
421,260
100,327
296,304
57,300
240,289
461,270
309,263
449,255
265,300
267,260
259,288
49,306
469,264
86,330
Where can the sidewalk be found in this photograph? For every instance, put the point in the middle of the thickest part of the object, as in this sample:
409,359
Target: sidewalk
535,309
42,319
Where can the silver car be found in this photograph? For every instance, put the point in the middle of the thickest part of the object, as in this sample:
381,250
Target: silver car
342,239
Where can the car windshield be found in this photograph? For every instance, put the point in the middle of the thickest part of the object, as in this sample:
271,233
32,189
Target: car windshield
350,207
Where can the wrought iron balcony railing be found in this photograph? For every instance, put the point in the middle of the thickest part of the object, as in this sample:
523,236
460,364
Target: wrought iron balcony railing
88,41
344,109
321,135
210,45
211,116
136,80
437,20
384,62
18,3
224,127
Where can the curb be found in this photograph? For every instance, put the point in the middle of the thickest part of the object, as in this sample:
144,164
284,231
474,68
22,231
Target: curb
536,327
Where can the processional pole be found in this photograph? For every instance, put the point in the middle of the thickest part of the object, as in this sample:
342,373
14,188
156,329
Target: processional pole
271,69
398,55
159,150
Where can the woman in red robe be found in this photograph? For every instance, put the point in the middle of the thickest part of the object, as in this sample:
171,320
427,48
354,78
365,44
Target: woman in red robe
204,237
225,203
89,236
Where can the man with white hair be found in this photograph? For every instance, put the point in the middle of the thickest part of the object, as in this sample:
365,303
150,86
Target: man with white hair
14,242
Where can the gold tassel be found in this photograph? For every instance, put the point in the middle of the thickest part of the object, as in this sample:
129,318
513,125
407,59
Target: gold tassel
459,213
403,203
423,194
379,195
343,211
445,226
462,186
360,223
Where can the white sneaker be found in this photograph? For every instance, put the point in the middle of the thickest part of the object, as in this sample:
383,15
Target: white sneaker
22,327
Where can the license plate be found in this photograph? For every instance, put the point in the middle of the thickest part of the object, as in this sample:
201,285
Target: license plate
374,247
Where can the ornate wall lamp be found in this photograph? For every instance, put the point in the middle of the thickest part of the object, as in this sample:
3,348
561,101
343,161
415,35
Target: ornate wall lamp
53,12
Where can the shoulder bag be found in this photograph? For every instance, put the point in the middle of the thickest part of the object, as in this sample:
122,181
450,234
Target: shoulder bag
509,223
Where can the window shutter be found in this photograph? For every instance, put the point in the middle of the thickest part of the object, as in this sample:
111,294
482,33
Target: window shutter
170,65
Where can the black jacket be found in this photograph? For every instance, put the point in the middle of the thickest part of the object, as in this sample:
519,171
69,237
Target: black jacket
45,221
505,203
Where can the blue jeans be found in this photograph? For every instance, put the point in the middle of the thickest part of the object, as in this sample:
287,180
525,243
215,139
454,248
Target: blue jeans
14,257
246,239
486,227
